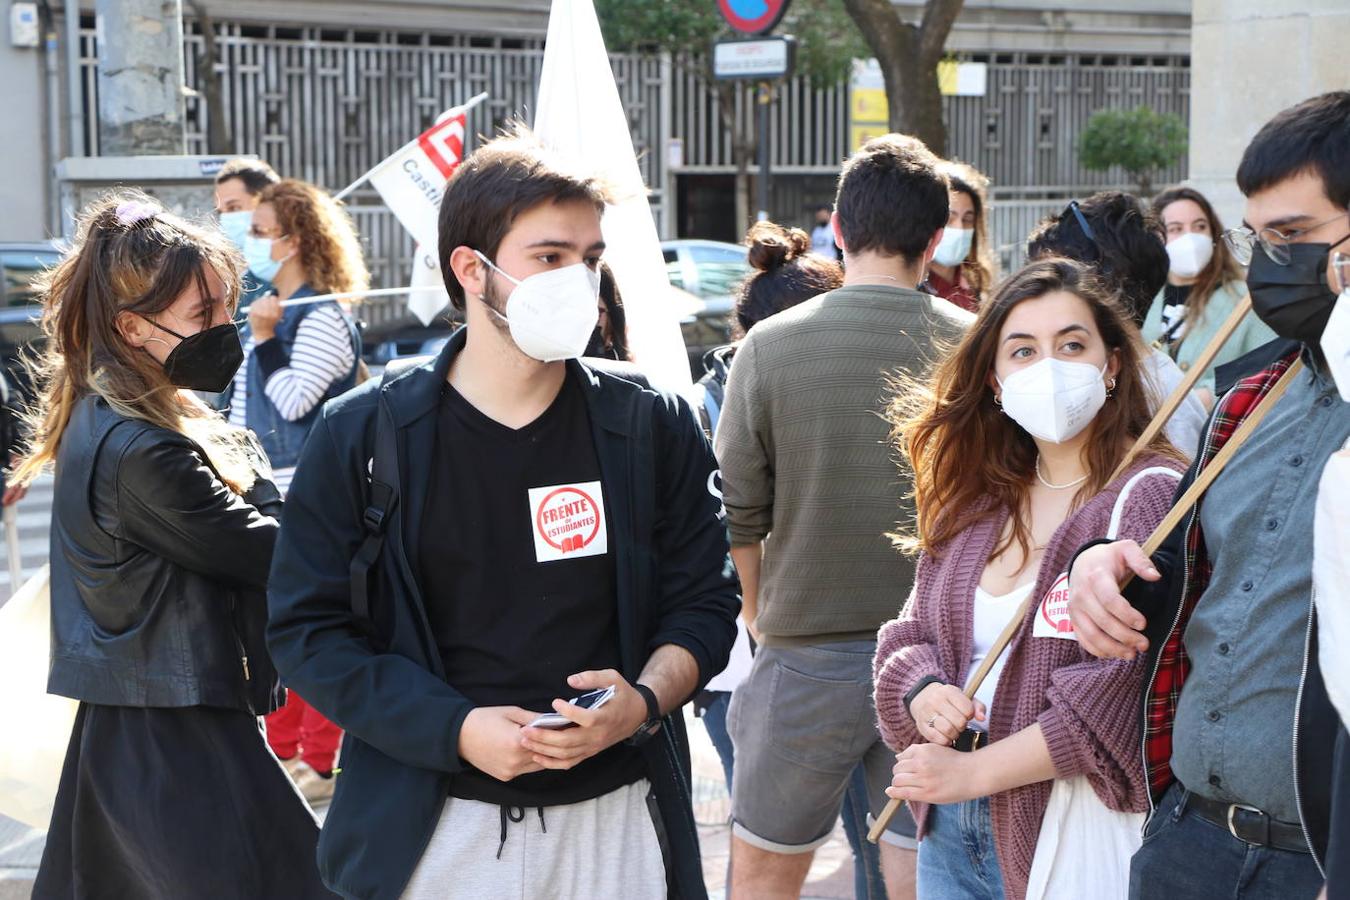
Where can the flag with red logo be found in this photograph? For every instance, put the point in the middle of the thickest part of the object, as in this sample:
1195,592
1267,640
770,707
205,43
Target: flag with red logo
412,180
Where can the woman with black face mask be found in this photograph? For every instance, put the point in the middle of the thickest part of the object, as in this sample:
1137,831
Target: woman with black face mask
163,523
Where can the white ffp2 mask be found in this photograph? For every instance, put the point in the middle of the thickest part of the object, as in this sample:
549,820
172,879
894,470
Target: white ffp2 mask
551,314
1053,399
1188,254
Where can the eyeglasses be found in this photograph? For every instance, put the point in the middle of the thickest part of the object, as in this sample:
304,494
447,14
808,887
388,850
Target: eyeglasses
1340,271
1242,241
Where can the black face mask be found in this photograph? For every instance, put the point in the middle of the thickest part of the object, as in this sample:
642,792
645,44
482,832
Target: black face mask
205,361
1294,300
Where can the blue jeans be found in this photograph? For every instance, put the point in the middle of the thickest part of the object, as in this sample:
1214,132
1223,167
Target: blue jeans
1185,857
867,880
956,857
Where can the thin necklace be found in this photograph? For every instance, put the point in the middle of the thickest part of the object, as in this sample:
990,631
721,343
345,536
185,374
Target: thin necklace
1055,487
878,275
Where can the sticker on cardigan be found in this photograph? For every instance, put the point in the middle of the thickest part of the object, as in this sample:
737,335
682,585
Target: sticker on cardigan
568,521
1052,617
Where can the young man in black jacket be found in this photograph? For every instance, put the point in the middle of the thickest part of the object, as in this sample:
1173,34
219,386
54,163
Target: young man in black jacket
548,530
1238,729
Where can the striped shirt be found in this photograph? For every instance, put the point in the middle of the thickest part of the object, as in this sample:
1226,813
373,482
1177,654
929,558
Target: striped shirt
322,353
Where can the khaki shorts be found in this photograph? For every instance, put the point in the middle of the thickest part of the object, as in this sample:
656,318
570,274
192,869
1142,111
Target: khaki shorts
801,722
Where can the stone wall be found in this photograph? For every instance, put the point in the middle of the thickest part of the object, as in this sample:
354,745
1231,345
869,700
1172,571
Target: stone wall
1249,60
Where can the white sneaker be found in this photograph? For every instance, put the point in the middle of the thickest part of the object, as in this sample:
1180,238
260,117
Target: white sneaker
313,786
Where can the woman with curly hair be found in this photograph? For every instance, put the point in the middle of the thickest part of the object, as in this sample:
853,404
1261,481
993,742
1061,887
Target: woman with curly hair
296,357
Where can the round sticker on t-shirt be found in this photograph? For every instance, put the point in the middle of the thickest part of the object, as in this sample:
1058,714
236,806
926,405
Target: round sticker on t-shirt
568,521
1052,614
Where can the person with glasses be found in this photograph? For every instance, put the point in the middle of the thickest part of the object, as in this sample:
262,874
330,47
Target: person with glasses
295,358
1239,736
1114,234
1204,284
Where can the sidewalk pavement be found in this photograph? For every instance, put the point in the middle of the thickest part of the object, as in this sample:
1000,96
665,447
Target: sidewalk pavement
831,876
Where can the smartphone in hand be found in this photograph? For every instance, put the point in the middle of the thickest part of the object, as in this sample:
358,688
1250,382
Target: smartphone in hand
590,700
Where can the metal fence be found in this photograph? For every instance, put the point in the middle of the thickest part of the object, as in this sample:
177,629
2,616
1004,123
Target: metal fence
327,105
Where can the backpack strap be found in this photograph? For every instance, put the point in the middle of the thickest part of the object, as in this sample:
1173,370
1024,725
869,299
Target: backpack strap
382,499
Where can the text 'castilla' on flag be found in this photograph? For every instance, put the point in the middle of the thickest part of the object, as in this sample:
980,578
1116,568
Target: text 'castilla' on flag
412,180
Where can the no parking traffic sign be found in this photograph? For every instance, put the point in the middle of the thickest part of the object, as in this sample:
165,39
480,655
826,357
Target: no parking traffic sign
752,16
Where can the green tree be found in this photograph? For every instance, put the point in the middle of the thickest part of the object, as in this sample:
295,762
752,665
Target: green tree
827,44
909,55
1140,141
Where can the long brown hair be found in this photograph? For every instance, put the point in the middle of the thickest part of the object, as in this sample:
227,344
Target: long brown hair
979,267
1222,267
330,251
967,457
129,255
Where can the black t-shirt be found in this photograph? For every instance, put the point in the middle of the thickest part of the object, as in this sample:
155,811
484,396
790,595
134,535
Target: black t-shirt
517,570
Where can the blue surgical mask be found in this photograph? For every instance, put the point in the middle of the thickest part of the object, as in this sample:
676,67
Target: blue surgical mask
258,255
236,225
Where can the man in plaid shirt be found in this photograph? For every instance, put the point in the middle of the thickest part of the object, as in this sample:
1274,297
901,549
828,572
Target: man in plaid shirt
1238,731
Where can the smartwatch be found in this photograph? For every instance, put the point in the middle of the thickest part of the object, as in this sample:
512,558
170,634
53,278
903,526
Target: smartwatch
648,729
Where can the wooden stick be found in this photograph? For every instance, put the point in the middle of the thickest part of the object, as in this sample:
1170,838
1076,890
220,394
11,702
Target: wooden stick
995,651
1173,403
1170,521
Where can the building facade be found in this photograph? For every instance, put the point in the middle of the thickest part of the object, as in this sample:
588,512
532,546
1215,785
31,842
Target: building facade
324,89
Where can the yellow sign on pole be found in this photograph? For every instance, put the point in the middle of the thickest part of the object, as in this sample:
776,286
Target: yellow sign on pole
868,111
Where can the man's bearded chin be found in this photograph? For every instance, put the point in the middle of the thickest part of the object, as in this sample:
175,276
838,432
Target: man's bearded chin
493,300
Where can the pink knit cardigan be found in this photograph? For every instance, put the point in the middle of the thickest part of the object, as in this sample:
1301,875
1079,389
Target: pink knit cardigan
1088,708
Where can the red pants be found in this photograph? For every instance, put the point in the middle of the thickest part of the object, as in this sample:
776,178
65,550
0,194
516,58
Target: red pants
299,727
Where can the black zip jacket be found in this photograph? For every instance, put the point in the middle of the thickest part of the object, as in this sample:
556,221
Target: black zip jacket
384,683
158,571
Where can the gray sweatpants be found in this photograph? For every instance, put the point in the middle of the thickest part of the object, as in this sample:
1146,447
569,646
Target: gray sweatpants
606,847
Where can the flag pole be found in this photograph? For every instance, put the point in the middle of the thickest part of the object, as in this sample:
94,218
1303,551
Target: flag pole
1186,384
349,295
468,105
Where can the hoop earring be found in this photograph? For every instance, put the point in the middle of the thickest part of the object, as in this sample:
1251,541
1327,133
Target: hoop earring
1110,389
998,400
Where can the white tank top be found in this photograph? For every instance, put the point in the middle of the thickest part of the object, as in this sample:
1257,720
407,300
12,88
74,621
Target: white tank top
991,616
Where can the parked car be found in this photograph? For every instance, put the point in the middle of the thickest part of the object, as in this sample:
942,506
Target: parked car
710,271
382,348
20,312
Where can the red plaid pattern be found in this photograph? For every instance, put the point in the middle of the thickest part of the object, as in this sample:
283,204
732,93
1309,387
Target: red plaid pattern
1173,665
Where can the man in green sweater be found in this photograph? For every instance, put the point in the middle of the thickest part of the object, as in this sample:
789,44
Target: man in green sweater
811,490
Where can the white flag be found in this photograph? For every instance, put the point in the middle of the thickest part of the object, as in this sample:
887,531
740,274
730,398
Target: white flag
429,295
580,115
412,180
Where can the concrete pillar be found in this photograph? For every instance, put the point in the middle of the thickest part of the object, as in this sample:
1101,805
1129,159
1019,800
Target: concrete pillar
140,77
1249,60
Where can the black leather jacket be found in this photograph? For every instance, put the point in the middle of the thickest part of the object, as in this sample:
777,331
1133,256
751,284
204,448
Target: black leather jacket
158,571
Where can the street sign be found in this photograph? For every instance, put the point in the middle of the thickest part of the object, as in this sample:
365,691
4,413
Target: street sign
752,16
762,59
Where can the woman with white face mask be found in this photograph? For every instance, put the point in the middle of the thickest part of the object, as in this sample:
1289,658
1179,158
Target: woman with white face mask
1204,283
962,270
1012,444
295,358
